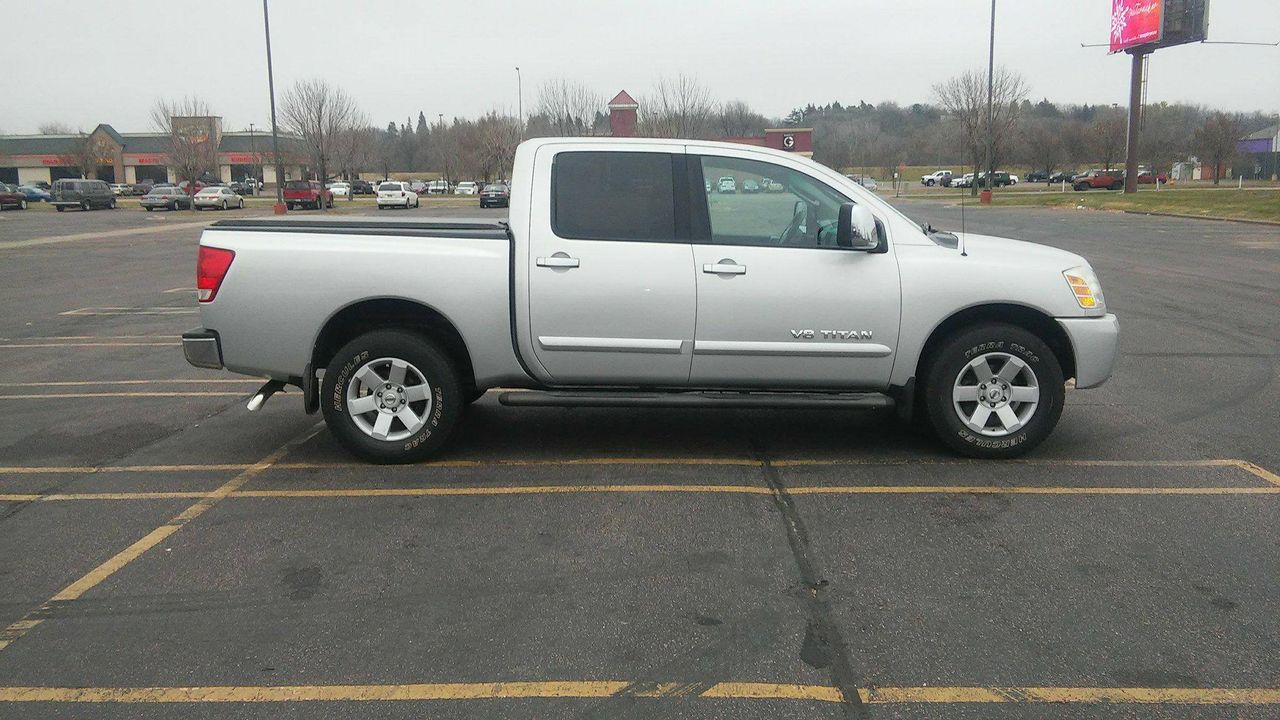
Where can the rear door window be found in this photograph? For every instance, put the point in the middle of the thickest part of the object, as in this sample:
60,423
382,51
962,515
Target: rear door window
627,196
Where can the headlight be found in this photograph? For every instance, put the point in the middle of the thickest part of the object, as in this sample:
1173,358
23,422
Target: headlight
1084,284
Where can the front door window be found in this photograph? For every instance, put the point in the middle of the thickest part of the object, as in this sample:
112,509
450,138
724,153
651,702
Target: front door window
759,203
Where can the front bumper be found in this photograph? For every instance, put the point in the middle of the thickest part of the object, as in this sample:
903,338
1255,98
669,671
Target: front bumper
203,348
1096,344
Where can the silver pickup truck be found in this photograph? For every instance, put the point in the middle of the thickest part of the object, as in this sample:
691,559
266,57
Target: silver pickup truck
625,279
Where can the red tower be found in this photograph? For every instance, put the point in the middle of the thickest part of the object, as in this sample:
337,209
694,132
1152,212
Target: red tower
622,115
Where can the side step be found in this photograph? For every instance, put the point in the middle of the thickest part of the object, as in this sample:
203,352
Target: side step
610,399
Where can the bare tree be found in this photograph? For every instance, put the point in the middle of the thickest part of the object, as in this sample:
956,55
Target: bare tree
84,154
736,119
965,98
192,143
354,151
1216,140
1109,132
318,114
54,127
678,107
569,108
1042,145
498,136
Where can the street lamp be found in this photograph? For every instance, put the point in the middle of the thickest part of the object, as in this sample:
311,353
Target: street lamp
520,101
275,132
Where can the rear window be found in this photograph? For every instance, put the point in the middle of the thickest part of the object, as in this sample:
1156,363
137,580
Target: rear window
613,196
389,187
297,185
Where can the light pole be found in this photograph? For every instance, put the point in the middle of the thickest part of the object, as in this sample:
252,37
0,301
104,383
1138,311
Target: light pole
520,101
991,68
275,132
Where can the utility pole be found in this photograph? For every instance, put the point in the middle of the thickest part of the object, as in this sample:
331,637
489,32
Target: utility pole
1135,120
275,131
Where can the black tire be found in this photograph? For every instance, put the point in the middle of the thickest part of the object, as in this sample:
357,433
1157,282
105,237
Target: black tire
447,401
953,355
149,209
59,208
85,205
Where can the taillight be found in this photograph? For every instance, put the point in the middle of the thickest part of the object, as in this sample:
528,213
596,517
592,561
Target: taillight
211,266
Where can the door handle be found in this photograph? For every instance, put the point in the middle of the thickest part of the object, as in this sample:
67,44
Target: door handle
725,267
558,260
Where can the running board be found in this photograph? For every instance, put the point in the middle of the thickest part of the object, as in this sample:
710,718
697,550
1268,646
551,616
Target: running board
612,399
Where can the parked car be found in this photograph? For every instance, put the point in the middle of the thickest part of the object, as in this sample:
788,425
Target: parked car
34,194
726,184
864,180
362,187
12,197
1062,177
1013,179
998,179
935,178
750,186
142,188
1104,179
1037,176
41,184
1146,177
465,187
84,194
393,355
306,193
222,197
340,189
963,181
169,197
396,194
495,195
119,189
436,187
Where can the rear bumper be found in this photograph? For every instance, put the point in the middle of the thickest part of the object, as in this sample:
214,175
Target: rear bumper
1096,344
202,348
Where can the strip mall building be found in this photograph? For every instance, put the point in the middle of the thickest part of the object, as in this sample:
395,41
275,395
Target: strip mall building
134,157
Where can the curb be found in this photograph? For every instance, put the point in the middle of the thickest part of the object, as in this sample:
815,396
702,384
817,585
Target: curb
1272,223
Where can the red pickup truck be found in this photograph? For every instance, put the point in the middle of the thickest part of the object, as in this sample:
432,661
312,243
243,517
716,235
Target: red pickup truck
1105,179
306,193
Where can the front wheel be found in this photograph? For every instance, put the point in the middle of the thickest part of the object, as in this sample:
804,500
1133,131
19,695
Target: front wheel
391,396
993,391
22,204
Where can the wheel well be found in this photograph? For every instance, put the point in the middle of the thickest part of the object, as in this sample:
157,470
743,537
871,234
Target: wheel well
389,313
1033,321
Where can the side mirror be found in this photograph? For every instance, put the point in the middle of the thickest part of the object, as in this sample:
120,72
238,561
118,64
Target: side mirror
856,228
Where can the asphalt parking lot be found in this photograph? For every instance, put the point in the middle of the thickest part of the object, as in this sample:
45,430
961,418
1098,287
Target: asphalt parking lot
165,553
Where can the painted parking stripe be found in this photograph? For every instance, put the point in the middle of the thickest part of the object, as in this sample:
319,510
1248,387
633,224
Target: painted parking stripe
131,311
169,381
942,695
94,577
645,488
139,394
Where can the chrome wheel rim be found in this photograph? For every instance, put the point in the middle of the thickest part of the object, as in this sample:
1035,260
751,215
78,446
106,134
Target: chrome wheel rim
389,399
995,394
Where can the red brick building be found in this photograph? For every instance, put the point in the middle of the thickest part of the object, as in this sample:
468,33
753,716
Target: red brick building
623,111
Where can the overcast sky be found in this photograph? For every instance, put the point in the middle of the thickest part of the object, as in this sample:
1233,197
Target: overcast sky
92,62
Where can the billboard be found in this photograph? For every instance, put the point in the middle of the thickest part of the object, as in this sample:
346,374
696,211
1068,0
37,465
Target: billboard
1135,22
1153,24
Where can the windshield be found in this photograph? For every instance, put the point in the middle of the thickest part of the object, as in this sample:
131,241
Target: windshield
389,187
297,185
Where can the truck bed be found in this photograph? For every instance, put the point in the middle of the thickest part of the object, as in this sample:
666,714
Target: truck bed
478,229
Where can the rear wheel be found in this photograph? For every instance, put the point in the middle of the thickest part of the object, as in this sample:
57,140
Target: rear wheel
84,205
59,208
993,391
391,396
22,204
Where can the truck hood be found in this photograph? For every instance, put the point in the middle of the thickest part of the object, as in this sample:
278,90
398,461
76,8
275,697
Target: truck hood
1007,251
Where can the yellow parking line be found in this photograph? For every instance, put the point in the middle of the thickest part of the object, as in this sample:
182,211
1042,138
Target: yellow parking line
618,688
92,469
99,344
167,381
1261,472
141,394
75,590
656,488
